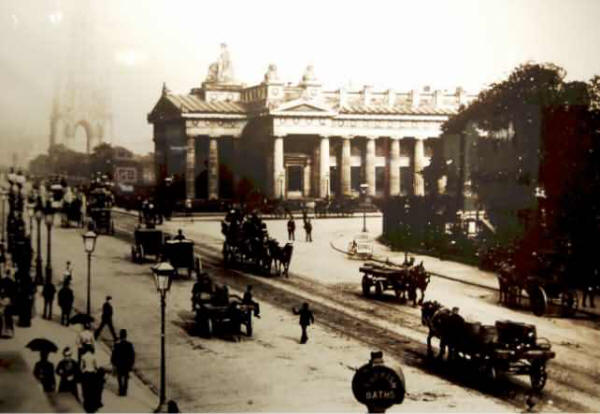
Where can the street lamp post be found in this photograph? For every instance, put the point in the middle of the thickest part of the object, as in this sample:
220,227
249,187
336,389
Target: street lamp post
89,244
38,258
49,216
363,190
162,278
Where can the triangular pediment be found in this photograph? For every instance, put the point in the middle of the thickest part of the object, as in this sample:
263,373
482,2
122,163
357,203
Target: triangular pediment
304,107
163,110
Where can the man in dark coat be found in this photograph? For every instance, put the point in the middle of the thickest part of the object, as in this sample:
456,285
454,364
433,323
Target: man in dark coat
308,230
306,318
123,358
44,372
48,293
107,314
248,300
180,236
68,371
291,227
65,301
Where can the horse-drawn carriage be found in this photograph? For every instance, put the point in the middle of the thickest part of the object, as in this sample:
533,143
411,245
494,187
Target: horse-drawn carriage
509,347
217,312
546,285
71,210
149,214
248,245
147,242
404,280
100,202
180,254
361,246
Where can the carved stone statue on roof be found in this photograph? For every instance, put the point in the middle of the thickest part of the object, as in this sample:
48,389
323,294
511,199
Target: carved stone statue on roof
271,75
309,75
221,71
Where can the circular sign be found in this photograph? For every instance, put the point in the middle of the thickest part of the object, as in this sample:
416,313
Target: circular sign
378,387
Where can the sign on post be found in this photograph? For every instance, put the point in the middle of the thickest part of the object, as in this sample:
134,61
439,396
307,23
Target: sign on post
377,386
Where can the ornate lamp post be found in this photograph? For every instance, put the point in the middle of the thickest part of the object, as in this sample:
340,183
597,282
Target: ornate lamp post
363,191
89,244
38,257
162,278
49,217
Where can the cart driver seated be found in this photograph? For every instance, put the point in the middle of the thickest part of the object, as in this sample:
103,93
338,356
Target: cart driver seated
204,284
180,236
220,296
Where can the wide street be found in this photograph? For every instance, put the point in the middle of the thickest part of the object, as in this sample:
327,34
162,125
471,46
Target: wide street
259,373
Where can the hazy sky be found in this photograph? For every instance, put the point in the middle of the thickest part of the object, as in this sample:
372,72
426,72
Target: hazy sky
138,44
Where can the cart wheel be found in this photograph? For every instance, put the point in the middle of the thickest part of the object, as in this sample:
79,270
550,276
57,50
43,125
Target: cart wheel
538,300
379,288
249,325
140,250
569,302
366,286
538,375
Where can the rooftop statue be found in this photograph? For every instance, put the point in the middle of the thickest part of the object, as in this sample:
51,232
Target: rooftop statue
309,75
221,71
271,75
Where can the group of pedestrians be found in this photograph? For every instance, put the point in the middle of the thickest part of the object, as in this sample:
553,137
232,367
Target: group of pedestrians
291,228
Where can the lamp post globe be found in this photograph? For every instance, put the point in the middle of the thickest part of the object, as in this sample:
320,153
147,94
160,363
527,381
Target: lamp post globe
163,273
89,244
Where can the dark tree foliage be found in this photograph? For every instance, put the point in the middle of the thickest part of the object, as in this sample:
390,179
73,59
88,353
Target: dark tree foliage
540,185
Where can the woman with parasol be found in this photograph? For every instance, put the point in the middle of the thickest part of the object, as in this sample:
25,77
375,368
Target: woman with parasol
44,369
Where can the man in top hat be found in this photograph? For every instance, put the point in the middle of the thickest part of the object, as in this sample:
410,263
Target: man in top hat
123,358
107,314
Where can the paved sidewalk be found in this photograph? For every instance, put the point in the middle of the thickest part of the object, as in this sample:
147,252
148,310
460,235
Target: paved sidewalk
20,391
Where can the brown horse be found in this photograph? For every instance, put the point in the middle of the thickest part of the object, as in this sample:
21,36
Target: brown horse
444,324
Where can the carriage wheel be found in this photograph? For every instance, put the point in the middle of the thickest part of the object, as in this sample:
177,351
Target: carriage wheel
379,288
569,302
140,250
538,375
208,327
538,300
249,324
366,286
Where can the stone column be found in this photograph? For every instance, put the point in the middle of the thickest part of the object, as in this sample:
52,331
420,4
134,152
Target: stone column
236,167
307,178
315,186
418,165
190,168
324,168
278,168
370,165
394,167
213,168
345,168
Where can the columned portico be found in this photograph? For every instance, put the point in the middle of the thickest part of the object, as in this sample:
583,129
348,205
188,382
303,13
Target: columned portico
345,168
370,165
324,167
394,182
279,175
190,168
213,168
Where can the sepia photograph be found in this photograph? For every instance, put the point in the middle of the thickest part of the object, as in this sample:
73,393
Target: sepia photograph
299,206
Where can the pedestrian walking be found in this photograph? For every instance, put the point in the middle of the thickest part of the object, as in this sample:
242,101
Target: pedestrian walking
107,314
123,358
44,372
291,227
85,340
68,273
65,301
89,381
306,318
68,372
308,230
48,292
4,307
247,299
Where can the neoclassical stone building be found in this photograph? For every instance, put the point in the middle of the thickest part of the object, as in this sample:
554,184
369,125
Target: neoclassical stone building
296,140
